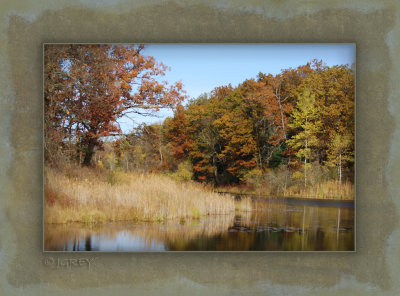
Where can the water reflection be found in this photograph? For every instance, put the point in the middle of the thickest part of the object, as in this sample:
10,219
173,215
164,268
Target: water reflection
271,226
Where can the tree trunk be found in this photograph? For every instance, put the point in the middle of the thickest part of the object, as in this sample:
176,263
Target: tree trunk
70,143
305,153
282,120
286,179
89,153
216,178
305,164
160,140
305,171
340,168
279,99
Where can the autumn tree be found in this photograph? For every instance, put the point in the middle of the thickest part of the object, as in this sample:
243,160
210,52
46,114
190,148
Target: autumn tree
337,112
307,122
177,133
221,133
206,146
333,88
277,94
340,152
88,87
235,127
58,100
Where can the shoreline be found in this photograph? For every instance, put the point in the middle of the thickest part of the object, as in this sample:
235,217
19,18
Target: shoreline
282,198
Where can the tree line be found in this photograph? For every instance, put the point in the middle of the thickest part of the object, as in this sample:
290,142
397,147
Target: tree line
298,122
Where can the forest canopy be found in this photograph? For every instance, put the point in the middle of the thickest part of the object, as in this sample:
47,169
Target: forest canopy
299,119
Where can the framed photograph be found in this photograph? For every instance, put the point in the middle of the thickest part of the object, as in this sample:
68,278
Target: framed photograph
199,147
289,219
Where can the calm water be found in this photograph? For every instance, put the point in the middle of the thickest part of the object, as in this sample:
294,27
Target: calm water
272,226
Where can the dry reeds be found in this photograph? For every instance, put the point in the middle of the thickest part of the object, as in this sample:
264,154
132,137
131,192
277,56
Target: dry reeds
324,190
87,195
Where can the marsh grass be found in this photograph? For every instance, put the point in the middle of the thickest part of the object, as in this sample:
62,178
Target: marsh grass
323,190
97,196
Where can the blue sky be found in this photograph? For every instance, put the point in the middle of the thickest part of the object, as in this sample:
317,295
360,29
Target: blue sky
202,67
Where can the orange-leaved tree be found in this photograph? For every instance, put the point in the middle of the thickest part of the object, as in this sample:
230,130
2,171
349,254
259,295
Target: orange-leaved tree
88,87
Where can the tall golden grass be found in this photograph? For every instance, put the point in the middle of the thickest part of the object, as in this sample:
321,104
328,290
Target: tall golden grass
89,195
323,190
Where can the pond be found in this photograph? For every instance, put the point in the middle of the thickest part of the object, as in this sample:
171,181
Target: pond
289,225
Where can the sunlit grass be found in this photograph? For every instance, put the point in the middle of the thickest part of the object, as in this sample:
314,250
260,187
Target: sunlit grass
93,196
323,190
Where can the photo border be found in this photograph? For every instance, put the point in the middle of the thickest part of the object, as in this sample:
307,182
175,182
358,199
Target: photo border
207,251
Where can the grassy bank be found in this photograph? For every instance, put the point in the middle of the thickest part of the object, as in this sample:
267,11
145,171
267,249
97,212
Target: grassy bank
324,190
96,196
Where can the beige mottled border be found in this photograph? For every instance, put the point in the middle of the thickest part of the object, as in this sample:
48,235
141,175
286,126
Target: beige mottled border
373,26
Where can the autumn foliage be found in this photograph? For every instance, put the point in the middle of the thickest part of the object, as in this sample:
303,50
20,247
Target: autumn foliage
299,117
88,87
298,124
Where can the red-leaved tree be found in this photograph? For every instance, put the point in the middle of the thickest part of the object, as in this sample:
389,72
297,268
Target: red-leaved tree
88,87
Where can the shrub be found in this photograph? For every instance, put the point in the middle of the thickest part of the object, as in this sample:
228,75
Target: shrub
184,171
254,177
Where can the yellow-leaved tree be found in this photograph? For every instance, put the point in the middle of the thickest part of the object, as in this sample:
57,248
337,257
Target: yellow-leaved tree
341,152
306,122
